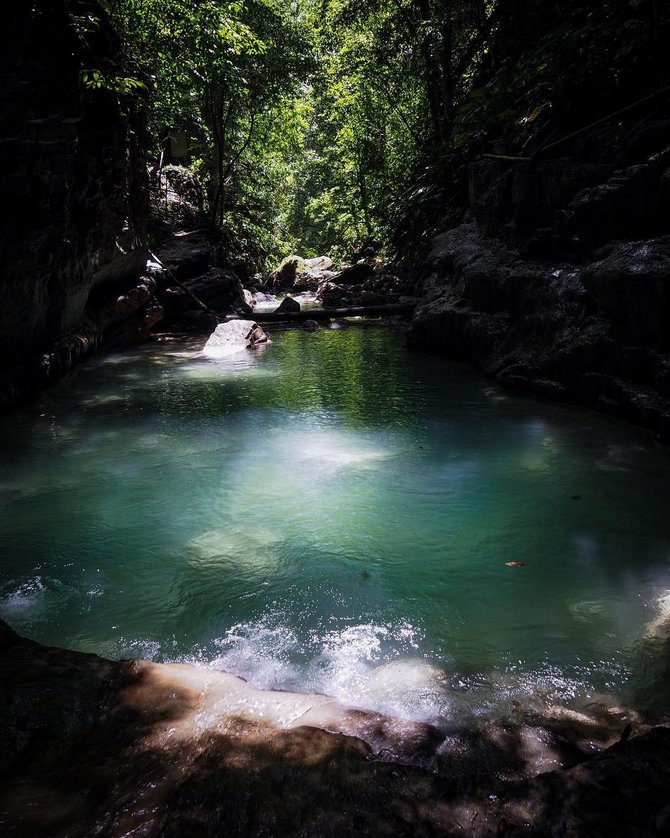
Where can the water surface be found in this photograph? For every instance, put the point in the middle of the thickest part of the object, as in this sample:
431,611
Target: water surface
333,513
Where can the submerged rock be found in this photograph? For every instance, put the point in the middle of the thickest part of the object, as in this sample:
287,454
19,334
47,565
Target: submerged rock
234,336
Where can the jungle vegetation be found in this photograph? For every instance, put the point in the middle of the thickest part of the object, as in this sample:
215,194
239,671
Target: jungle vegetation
312,123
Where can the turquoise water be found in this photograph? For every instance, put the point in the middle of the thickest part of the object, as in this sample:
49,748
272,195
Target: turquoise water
334,513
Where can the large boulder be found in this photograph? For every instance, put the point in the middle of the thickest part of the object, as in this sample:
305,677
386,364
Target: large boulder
632,286
354,275
283,278
298,274
311,279
187,253
217,288
319,263
334,296
234,336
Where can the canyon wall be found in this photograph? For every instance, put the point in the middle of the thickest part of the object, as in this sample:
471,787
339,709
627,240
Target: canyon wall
75,195
558,282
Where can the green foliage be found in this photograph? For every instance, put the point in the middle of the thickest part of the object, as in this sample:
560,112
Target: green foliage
97,80
321,122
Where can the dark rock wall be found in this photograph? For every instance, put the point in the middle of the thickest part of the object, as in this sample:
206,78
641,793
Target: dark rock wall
560,284
73,186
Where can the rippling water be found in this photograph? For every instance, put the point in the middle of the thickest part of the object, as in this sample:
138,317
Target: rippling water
332,513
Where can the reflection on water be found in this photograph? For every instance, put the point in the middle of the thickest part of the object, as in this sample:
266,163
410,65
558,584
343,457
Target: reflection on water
335,514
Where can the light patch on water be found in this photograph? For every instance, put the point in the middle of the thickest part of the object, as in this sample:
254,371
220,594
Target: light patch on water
248,549
623,458
588,548
331,450
219,370
588,610
149,441
103,400
495,394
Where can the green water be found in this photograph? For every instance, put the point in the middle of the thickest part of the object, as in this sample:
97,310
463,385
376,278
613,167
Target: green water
334,513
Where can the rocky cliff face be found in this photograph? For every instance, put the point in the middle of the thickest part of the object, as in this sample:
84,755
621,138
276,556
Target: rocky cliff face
560,281
74,186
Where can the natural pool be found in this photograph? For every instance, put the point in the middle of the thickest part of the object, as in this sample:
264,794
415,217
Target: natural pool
332,513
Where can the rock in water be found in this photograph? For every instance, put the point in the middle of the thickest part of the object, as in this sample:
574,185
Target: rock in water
234,337
288,304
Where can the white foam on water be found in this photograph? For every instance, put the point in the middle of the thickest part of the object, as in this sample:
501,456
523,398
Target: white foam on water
23,598
368,666
380,668
659,626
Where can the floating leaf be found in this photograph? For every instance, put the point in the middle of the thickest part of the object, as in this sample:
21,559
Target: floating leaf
515,564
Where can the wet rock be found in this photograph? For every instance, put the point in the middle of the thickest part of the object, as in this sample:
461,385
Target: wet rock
310,280
218,289
198,321
335,296
234,336
310,326
187,253
632,286
74,185
121,306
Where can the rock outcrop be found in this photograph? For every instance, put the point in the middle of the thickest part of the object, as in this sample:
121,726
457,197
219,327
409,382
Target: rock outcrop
288,304
197,279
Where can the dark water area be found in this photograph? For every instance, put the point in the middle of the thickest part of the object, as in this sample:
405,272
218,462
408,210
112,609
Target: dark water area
333,513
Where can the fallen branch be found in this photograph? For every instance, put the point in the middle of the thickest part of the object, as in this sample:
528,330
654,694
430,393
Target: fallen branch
326,313
183,287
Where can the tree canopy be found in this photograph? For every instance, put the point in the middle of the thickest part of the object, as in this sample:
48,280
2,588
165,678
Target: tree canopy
313,123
